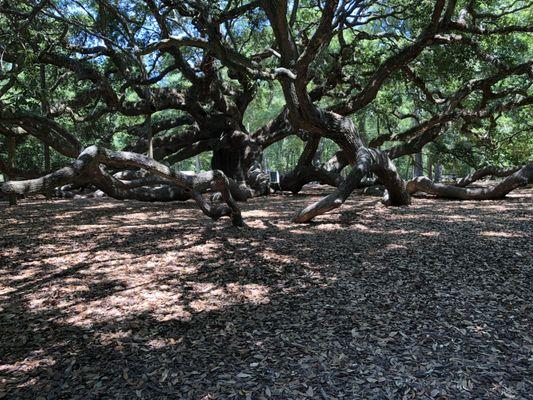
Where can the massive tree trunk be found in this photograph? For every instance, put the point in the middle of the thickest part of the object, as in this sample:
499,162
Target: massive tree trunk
229,160
519,178
486,171
236,152
240,158
368,161
89,168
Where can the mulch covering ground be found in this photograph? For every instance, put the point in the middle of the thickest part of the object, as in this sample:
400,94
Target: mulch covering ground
101,299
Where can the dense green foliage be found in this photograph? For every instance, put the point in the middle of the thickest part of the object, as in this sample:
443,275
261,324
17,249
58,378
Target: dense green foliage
30,31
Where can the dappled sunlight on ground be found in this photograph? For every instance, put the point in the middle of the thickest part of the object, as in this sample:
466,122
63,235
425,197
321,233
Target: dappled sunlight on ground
123,300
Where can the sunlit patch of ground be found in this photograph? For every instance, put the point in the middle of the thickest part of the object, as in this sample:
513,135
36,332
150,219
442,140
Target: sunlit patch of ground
125,300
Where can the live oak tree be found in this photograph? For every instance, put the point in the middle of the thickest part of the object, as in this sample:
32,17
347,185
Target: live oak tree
169,80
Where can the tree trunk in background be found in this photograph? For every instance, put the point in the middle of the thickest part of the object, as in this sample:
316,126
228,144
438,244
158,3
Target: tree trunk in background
418,166
438,173
197,164
46,152
430,168
309,168
317,159
264,162
149,136
45,106
11,164
362,129
229,156
239,157
45,110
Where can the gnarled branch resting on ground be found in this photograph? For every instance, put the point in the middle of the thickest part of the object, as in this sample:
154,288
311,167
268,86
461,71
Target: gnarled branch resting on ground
89,168
520,178
486,171
368,161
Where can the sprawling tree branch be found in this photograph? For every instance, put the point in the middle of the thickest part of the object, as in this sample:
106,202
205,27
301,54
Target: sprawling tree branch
519,178
87,168
481,173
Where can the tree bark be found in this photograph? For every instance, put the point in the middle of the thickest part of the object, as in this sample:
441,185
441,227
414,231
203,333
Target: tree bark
519,178
229,160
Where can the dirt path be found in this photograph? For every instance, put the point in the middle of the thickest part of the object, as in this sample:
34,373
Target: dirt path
123,300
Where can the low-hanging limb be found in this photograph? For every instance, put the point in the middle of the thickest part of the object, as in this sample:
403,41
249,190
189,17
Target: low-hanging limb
368,161
519,178
486,171
127,184
149,188
295,180
305,171
88,168
167,191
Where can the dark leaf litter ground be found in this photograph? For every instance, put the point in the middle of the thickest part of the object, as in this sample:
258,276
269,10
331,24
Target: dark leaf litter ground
101,299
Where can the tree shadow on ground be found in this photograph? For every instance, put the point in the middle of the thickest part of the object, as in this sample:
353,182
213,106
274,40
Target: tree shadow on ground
130,301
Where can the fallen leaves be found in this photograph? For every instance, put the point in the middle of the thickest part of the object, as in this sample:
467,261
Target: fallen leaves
428,301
